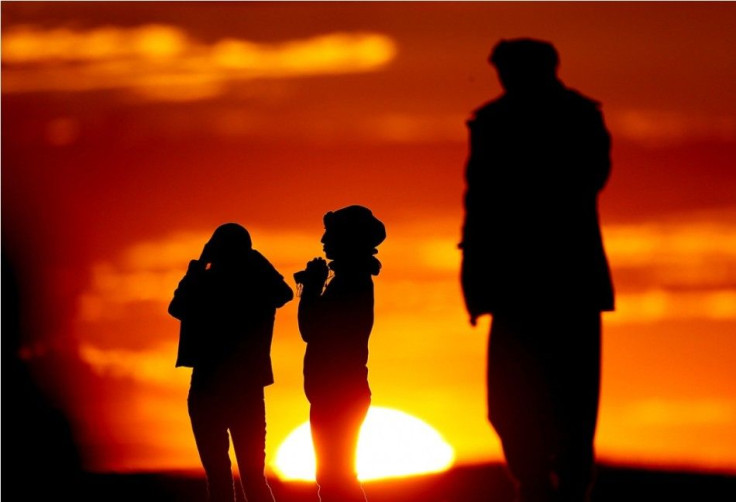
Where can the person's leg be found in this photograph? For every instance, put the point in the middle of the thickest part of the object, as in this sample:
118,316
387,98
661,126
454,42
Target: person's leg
213,443
248,430
576,391
517,404
335,431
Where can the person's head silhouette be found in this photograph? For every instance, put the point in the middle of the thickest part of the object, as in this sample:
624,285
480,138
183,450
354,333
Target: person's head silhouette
229,244
525,64
352,231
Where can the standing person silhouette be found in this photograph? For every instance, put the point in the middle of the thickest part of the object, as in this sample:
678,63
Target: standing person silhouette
336,324
227,305
533,258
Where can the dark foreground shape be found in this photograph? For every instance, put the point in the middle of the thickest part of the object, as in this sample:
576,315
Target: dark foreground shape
479,483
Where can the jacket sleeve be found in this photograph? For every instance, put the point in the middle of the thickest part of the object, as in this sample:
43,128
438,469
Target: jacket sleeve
477,165
277,292
311,313
475,237
281,292
600,150
469,196
185,293
590,146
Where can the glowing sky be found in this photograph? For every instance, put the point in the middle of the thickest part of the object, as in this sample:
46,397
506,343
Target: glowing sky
129,132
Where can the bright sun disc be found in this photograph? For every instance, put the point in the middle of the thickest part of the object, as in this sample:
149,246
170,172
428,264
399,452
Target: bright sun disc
391,444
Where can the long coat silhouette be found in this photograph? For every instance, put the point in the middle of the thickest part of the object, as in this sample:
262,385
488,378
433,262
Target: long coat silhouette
531,234
533,257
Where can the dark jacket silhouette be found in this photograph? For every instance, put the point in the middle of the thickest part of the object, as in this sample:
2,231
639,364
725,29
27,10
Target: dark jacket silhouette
336,324
538,158
533,257
227,304
336,327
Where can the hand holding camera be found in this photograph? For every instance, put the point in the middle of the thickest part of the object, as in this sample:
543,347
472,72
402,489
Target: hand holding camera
313,277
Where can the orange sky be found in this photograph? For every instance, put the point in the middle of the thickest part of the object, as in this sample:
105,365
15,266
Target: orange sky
129,132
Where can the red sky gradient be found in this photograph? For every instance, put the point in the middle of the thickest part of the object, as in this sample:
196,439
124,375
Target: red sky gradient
130,131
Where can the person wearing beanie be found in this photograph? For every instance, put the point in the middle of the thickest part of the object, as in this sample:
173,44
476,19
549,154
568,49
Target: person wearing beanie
336,322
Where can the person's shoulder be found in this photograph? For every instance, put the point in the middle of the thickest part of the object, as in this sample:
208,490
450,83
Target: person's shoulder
489,110
575,98
257,256
260,262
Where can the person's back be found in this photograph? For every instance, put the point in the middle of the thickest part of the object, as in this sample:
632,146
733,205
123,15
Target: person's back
533,258
239,303
226,303
539,156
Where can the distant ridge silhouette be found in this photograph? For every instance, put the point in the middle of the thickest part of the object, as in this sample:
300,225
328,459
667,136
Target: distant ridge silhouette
468,483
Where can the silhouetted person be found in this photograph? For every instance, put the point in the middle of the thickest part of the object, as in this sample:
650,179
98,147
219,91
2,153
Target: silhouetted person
336,325
227,304
533,257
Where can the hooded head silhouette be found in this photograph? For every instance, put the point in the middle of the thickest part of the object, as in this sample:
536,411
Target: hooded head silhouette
229,243
525,64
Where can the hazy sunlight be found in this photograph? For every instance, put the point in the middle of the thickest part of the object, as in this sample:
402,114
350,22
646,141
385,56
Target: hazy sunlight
392,444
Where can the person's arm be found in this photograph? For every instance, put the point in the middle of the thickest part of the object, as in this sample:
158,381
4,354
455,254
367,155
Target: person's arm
311,315
592,159
277,292
601,151
475,153
474,235
282,293
184,294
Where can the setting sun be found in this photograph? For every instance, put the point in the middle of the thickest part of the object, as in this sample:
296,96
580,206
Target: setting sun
392,444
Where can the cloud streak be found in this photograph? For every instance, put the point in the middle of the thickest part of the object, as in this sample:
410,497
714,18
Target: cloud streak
663,128
664,270
149,366
162,62
668,413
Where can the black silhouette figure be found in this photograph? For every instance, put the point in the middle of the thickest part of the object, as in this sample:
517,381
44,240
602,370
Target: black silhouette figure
227,304
533,257
336,325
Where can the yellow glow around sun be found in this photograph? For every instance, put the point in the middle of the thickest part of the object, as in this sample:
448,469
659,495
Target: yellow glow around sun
391,444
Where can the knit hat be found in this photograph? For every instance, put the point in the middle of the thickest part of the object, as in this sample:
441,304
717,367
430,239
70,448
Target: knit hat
357,225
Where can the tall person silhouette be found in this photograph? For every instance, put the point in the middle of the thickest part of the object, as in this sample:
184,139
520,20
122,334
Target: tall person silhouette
533,258
336,324
227,305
